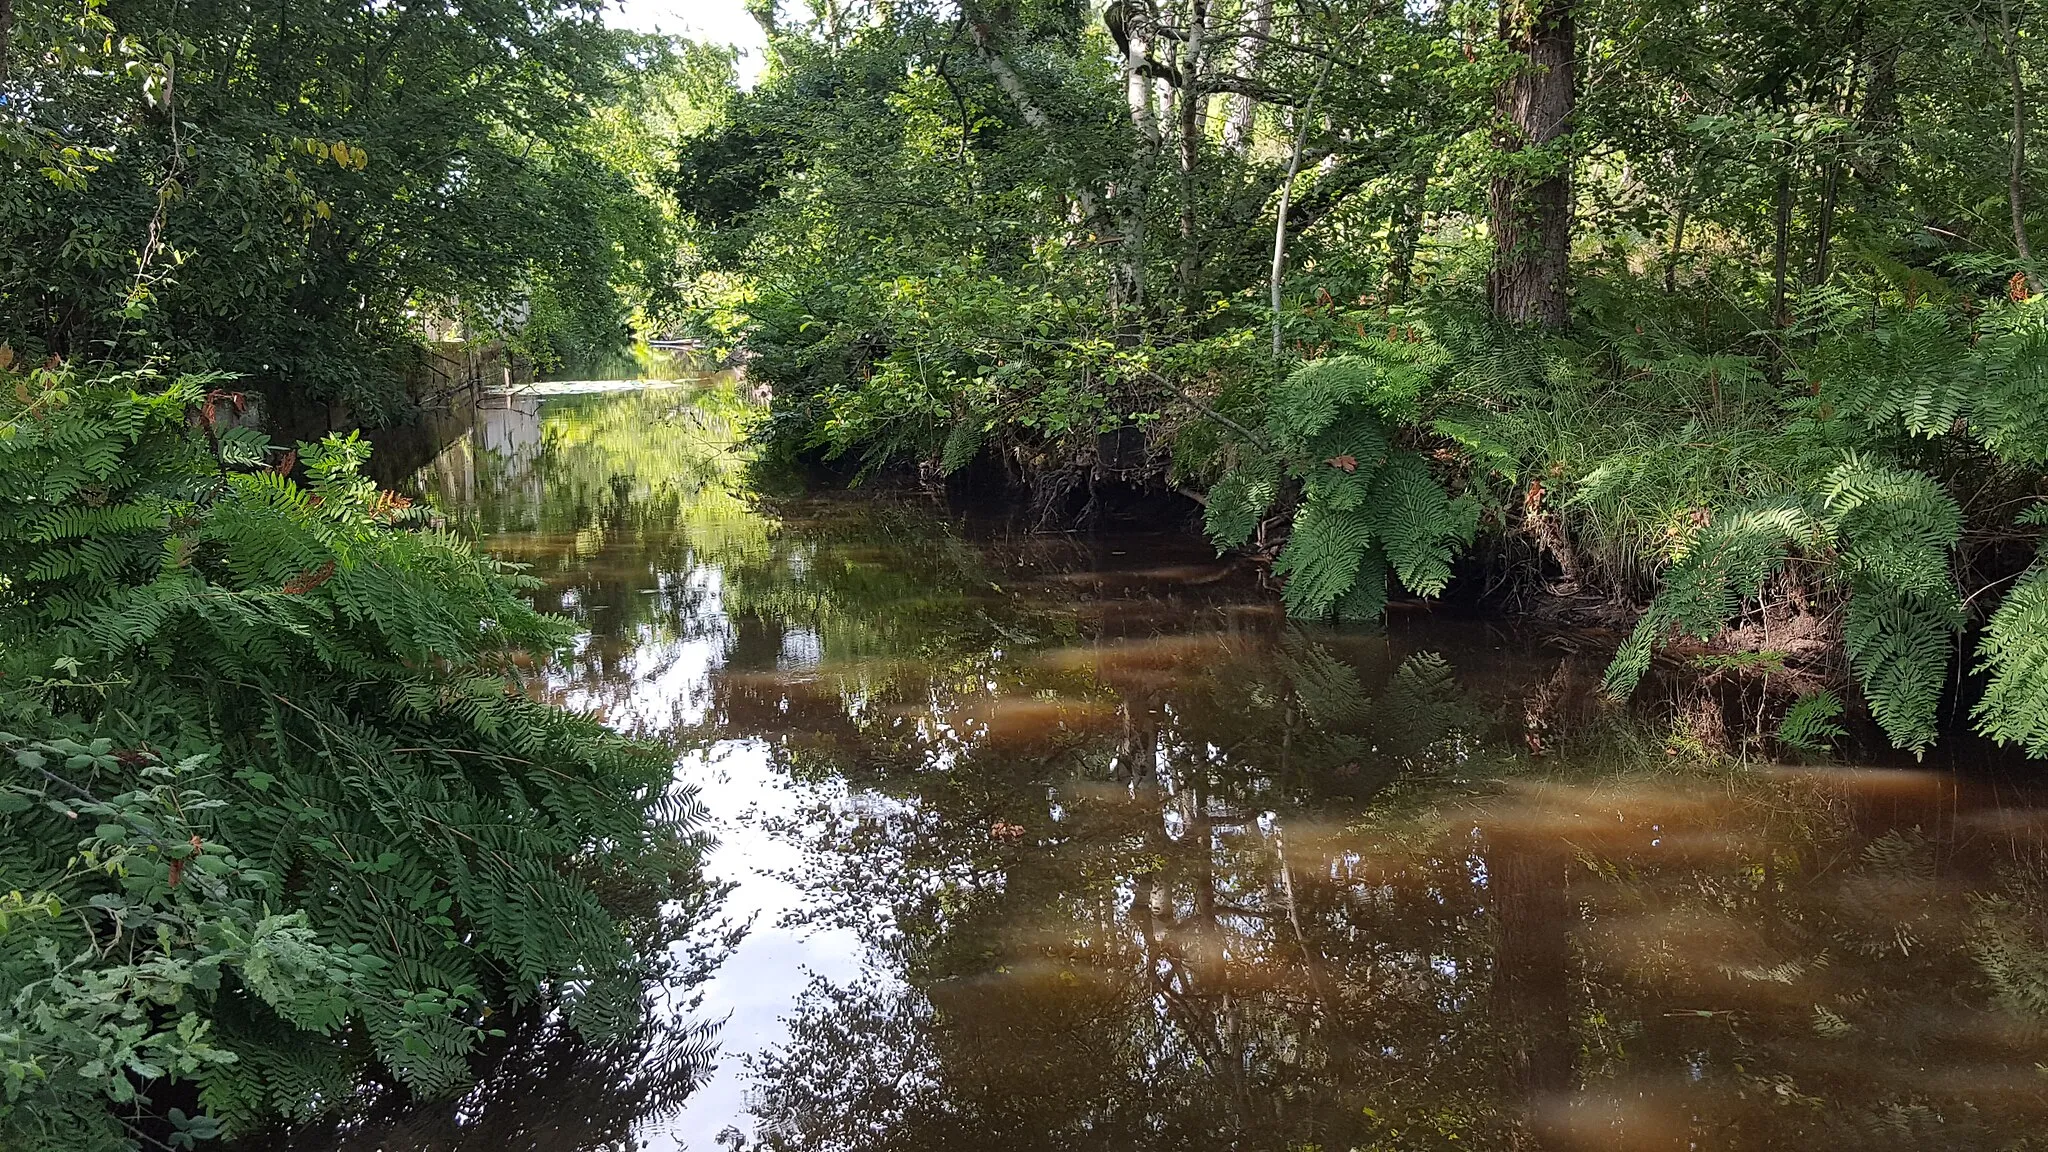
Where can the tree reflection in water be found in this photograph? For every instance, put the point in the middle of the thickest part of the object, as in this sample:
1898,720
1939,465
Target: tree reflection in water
542,1088
1258,888
1137,865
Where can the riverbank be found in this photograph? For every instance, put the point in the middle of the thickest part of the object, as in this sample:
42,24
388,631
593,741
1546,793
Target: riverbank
992,796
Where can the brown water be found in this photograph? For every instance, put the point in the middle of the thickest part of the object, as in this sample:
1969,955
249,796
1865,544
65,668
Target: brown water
1057,842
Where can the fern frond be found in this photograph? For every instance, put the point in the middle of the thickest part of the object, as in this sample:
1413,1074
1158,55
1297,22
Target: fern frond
1899,648
1725,564
1897,530
1420,525
962,445
1311,399
2014,652
1322,559
1810,724
1238,501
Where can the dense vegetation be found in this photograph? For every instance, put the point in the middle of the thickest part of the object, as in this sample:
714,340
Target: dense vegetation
279,813
288,828
1721,317
1718,323
292,192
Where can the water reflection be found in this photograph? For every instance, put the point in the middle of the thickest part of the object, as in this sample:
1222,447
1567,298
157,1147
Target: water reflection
1074,844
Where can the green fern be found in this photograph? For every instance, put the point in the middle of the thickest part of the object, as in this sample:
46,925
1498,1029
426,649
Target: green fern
1341,464
962,445
1420,524
1367,600
1323,558
1897,529
1810,724
1238,501
1314,397
1369,509
2014,653
224,693
1890,531
1725,564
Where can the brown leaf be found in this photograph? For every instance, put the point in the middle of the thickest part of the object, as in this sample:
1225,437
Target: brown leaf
305,582
1344,463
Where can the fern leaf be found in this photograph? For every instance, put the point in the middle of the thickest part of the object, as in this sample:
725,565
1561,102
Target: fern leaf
1726,563
1313,397
1898,530
1810,724
1367,600
962,445
1322,559
1420,525
2014,652
1341,463
1899,649
1237,503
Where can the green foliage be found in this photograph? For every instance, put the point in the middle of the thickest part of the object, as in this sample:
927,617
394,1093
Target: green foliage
963,444
1419,524
1813,401
1889,532
1810,724
1238,501
276,802
2014,652
293,191
1896,529
1325,558
1928,371
1368,508
1724,565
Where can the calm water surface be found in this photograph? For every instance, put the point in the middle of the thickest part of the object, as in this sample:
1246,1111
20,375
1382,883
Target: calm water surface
1053,842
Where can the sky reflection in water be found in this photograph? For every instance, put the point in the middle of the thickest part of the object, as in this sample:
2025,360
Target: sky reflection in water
1052,843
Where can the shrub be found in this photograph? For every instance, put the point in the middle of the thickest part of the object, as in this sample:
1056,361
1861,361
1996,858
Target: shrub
278,810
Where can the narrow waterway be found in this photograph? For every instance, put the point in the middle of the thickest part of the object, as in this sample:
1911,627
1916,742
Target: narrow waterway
1045,841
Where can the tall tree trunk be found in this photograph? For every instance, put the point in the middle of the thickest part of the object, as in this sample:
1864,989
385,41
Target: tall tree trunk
1244,111
1831,175
1133,190
1824,223
1532,216
1878,117
1279,269
1194,108
1671,256
2016,178
1408,220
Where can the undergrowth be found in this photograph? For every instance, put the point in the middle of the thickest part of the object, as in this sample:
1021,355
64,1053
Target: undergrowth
278,810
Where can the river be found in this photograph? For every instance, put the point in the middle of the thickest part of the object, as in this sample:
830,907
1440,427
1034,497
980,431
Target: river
1052,841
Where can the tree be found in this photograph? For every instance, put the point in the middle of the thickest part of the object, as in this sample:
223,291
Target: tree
288,191
1530,202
